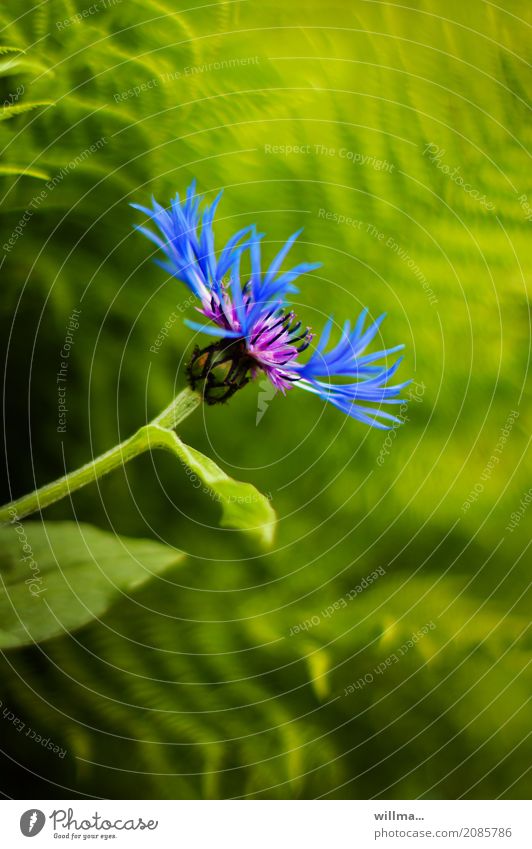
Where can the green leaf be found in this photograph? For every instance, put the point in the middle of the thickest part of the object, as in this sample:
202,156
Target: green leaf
58,576
18,108
243,506
10,66
23,171
17,61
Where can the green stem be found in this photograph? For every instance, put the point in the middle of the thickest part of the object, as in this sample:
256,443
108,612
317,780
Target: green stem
153,435
182,406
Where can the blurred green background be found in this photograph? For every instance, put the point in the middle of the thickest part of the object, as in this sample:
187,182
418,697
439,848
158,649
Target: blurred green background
195,686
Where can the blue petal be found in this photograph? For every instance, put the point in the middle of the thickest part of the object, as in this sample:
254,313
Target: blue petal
211,330
236,292
277,262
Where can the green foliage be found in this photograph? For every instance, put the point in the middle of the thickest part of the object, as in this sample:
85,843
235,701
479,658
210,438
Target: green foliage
17,109
57,576
249,705
243,506
195,687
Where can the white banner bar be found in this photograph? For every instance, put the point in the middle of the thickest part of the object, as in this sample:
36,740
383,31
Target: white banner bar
266,824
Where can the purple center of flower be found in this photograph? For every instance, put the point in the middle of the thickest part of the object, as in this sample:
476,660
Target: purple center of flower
273,341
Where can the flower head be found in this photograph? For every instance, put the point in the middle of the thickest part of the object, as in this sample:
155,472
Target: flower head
257,330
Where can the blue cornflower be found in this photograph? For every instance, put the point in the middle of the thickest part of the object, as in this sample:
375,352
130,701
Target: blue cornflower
257,331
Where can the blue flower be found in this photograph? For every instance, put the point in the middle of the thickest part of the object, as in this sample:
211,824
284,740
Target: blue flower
262,333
